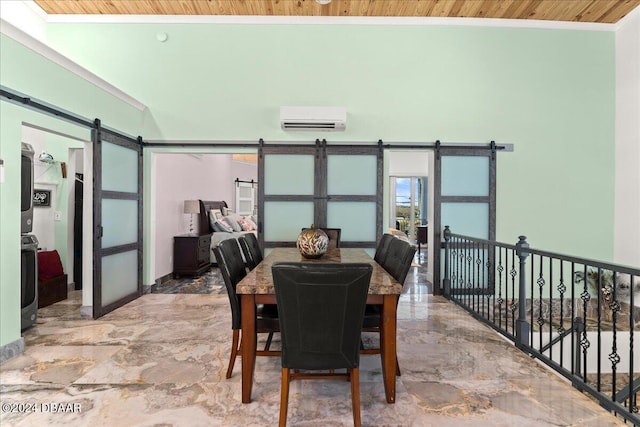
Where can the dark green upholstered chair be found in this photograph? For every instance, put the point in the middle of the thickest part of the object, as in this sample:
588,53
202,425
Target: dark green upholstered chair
321,307
233,271
397,261
383,248
251,250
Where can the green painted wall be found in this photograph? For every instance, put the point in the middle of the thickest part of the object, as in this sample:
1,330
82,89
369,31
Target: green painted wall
548,92
24,71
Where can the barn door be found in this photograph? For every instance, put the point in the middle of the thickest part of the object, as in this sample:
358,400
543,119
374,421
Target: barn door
117,240
465,198
326,185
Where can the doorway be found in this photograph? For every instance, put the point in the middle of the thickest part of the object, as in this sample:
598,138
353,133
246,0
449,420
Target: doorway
58,158
409,205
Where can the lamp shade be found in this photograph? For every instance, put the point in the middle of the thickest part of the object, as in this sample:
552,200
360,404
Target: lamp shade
191,206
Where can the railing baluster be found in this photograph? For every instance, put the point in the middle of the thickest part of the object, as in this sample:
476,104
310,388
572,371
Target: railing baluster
513,292
614,357
573,316
584,342
561,329
540,283
478,288
500,268
599,340
532,300
550,306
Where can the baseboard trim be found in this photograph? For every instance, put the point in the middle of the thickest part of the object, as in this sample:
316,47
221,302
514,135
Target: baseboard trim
159,282
86,311
164,279
11,350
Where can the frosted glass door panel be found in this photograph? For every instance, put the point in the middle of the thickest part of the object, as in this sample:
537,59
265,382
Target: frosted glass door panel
353,175
289,174
119,168
465,176
119,276
285,220
356,219
469,219
119,222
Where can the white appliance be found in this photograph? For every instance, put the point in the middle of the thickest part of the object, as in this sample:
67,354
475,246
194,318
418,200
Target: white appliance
313,118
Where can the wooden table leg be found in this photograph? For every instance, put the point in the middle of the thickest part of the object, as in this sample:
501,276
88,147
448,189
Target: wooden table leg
388,346
249,338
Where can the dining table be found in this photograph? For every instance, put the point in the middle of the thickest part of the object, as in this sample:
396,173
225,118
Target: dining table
257,288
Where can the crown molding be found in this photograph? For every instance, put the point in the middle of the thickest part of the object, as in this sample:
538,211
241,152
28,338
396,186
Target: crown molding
330,20
56,57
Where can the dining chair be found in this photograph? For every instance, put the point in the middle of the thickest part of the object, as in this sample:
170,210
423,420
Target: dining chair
383,248
251,250
329,338
233,270
399,258
333,234
397,262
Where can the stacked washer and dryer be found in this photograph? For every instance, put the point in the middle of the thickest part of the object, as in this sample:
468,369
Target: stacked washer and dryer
28,242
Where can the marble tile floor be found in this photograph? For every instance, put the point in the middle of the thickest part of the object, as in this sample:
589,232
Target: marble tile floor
210,282
161,361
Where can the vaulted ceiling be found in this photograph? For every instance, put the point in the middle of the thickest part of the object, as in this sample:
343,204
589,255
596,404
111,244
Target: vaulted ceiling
602,11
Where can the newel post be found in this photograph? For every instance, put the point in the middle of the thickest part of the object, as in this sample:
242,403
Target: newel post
522,327
446,282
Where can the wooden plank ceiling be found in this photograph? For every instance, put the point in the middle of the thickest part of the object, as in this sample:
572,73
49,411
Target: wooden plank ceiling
602,11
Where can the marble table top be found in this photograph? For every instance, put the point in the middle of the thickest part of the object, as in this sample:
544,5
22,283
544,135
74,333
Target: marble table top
260,280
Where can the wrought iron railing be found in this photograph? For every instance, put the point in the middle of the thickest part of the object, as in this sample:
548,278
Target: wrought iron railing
578,316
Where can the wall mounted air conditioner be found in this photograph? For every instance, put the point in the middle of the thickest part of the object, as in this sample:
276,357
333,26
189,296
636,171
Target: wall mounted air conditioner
313,118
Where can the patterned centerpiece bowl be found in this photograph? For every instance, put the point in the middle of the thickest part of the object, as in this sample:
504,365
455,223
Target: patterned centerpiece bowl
312,242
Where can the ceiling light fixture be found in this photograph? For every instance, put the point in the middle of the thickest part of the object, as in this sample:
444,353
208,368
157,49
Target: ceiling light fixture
323,1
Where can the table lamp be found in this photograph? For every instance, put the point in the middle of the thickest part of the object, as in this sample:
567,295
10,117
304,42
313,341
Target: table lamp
191,207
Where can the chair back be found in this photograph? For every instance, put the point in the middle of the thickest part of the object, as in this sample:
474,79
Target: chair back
321,309
399,258
383,248
333,234
251,250
232,268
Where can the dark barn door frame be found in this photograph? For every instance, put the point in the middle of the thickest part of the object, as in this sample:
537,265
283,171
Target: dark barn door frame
438,199
321,197
99,133
99,136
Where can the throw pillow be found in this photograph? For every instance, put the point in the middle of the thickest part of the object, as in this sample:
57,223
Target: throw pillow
215,214
233,219
253,223
221,225
247,224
